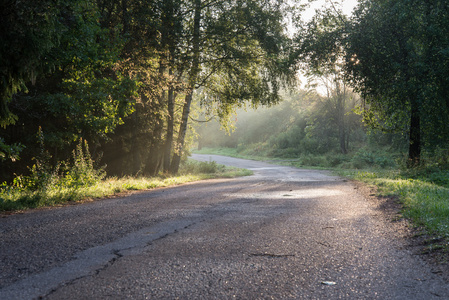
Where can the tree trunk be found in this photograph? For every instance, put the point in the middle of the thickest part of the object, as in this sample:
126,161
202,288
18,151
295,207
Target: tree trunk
136,153
170,127
174,167
341,125
414,150
341,116
193,75
168,40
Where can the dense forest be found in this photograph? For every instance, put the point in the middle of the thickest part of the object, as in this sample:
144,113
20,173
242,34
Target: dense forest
129,78
122,75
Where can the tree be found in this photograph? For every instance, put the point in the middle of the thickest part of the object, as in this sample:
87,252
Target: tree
334,117
236,55
396,56
86,94
230,49
28,32
320,52
123,73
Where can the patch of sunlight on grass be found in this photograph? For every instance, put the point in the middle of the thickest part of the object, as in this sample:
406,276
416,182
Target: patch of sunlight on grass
425,203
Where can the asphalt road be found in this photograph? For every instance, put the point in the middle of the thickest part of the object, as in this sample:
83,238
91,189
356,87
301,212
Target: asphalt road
283,233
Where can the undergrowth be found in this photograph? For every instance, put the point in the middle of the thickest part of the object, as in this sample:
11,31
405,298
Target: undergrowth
80,180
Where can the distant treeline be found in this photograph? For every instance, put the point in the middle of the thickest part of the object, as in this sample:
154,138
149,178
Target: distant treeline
308,126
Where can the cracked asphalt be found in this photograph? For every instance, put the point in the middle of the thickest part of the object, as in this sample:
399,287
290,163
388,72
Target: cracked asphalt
283,233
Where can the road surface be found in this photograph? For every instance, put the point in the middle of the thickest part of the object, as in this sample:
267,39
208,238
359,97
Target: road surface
283,233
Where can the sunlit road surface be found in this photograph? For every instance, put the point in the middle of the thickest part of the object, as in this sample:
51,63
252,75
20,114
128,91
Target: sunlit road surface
282,233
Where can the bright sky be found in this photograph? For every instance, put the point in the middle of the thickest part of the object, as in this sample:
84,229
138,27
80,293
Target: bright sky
346,5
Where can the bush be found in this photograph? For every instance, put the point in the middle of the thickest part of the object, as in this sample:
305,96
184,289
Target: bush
314,160
284,153
200,167
337,160
365,158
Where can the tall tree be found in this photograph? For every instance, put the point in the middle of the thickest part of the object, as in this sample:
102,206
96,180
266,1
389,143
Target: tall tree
236,54
85,95
396,56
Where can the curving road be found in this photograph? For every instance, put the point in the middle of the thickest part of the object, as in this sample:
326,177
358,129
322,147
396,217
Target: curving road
283,233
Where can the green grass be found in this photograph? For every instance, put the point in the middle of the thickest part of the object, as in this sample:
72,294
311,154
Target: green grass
57,193
232,152
361,159
425,203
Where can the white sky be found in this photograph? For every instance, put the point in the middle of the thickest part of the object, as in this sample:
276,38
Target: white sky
346,5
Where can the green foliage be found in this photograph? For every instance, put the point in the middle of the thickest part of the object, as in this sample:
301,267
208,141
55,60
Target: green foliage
434,168
113,72
43,181
365,158
10,151
86,95
313,160
303,124
82,172
396,57
28,32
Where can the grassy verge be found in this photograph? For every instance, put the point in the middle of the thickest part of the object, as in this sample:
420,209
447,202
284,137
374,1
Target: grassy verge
425,202
231,152
14,198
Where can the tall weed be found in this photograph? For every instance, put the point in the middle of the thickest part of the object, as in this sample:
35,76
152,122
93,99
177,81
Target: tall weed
46,185
82,171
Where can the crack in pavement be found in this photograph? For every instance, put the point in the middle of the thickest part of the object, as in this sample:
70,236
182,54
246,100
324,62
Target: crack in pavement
91,261
271,255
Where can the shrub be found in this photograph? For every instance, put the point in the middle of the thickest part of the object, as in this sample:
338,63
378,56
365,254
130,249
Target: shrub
365,158
200,167
336,160
313,160
46,185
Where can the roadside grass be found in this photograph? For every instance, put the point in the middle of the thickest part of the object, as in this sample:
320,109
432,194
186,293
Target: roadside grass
231,152
234,152
58,192
425,203
363,158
